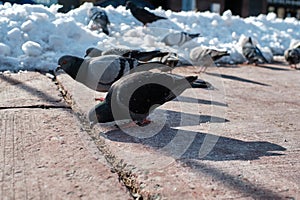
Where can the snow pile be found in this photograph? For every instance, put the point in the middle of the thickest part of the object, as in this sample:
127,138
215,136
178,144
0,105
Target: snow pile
35,36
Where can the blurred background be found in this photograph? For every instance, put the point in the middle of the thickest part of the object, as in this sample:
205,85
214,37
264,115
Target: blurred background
243,8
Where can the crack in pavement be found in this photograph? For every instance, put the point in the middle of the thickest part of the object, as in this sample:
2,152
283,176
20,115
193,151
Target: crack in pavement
41,106
125,174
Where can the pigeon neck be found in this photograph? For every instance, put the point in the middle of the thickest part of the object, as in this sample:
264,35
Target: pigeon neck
105,112
73,71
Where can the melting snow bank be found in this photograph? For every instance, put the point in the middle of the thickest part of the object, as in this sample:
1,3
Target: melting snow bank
35,36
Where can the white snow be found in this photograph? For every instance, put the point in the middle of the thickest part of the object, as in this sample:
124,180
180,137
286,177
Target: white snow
35,36
4,49
31,48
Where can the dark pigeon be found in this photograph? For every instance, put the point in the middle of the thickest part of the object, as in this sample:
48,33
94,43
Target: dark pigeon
99,73
93,52
292,56
128,53
252,53
142,14
205,57
98,19
179,38
136,95
117,3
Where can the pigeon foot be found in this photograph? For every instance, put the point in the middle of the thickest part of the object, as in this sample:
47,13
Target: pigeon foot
100,99
145,122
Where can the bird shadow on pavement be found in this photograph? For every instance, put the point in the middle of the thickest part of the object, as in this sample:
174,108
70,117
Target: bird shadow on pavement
191,148
201,101
274,68
186,119
217,148
222,149
226,65
235,78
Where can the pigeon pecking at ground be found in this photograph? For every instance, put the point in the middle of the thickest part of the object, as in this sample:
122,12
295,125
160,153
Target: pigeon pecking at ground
252,53
179,38
142,14
136,95
292,54
98,19
99,73
205,57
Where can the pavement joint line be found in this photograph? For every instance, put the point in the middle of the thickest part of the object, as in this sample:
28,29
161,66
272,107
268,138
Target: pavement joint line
41,106
125,174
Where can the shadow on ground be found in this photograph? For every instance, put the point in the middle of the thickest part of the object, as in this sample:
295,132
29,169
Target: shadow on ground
219,149
235,78
224,149
194,145
200,101
274,68
238,183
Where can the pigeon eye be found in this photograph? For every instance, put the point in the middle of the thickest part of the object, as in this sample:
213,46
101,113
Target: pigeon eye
64,62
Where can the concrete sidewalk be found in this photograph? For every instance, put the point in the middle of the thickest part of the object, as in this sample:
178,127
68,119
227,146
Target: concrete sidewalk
44,152
238,141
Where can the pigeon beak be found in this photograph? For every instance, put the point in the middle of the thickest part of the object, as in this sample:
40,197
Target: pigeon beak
92,124
58,68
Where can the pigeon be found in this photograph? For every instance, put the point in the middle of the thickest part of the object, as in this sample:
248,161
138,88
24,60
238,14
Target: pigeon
252,53
166,58
136,95
98,19
93,52
171,59
99,73
178,38
142,14
205,57
292,54
136,54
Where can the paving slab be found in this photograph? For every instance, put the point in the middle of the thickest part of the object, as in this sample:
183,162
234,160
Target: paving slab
44,151
28,89
238,141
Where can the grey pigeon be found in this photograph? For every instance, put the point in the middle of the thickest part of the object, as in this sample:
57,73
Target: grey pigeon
128,53
142,14
292,54
98,19
252,53
166,58
179,38
99,73
136,95
205,57
170,59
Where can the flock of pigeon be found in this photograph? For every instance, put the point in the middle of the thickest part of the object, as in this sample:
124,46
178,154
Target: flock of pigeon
133,89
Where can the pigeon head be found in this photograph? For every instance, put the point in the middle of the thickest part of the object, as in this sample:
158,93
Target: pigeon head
70,64
250,40
293,52
101,113
129,5
292,56
93,52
